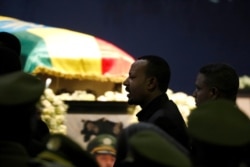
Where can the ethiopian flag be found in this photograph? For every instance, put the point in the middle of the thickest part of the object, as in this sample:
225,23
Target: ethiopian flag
68,54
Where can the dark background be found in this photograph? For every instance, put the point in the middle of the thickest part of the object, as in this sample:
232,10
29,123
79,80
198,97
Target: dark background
187,33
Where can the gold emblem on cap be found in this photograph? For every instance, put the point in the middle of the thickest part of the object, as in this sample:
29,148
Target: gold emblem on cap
107,141
54,144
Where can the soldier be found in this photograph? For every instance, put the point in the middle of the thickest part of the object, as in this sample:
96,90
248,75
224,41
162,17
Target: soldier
19,93
150,148
145,144
220,134
63,151
10,51
103,148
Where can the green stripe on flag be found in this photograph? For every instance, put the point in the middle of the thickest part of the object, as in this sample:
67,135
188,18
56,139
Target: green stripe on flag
34,52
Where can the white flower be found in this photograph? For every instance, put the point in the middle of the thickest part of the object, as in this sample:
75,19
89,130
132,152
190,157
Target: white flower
184,102
244,82
53,111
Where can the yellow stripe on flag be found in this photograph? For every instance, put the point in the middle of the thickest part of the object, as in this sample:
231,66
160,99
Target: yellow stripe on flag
71,52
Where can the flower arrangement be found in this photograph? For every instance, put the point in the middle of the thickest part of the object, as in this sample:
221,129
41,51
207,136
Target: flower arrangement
244,82
53,111
184,102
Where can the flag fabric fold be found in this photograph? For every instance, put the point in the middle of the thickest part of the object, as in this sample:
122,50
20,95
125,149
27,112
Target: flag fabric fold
67,54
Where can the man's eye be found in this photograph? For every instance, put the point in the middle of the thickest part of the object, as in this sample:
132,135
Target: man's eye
131,76
197,88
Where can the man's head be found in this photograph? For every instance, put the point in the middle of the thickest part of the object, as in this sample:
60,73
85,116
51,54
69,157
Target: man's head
10,41
10,51
103,147
218,80
149,76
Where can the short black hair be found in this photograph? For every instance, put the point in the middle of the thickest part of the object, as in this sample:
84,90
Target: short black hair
222,76
159,68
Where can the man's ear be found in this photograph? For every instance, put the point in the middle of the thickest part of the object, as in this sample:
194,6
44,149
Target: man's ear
214,93
152,83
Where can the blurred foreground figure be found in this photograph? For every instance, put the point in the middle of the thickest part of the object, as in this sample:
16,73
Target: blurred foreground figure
62,151
220,134
19,93
103,148
145,144
10,50
10,41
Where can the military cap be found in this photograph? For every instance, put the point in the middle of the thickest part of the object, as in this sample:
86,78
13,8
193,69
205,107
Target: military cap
103,144
219,122
150,147
19,88
63,150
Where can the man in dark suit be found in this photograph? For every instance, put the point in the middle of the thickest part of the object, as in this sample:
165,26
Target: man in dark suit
147,84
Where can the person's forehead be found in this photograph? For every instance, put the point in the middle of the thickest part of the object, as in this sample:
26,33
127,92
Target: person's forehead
201,79
139,65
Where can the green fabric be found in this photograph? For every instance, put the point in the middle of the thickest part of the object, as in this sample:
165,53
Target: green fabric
20,88
65,150
52,157
34,52
154,147
103,143
219,122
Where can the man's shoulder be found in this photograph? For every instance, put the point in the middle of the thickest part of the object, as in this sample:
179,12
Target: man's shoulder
168,110
170,105
167,104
